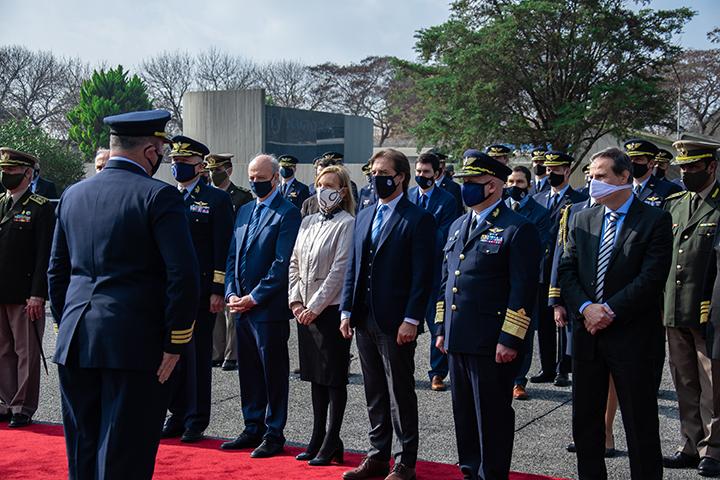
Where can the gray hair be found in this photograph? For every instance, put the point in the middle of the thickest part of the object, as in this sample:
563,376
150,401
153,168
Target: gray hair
119,142
274,162
621,161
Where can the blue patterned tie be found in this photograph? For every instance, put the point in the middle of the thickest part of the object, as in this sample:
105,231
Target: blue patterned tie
378,224
249,236
604,254
424,201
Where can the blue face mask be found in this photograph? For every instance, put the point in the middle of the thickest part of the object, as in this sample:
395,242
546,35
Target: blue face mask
473,193
261,189
184,172
287,172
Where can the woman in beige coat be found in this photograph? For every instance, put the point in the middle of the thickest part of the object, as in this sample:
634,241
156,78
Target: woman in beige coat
317,270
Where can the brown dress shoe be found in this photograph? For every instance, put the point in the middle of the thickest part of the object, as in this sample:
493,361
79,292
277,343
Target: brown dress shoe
368,468
519,393
401,472
437,384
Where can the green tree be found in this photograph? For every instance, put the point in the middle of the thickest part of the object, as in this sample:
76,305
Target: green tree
105,93
563,72
59,162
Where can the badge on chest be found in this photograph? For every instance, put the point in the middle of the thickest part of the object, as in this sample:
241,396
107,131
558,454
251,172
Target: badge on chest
23,217
200,207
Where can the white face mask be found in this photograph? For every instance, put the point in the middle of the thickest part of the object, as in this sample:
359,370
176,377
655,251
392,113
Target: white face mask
328,199
600,189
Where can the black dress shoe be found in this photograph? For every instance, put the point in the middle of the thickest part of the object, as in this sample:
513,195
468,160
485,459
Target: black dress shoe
172,429
610,452
242,442
191,436
542,377
562,380
571,447
19,420
5,417
268,449
709,467
337,455
306,455
680,460
217,363
229,365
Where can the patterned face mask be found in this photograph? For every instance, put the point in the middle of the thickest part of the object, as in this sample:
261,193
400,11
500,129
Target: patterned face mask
328,199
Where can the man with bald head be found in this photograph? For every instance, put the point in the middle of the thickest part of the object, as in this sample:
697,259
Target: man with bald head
256,286
101,158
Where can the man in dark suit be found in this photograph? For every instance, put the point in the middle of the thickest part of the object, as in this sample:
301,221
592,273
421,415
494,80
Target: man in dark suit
27,222
292,189
224,344
490,275
367,195
446,183
612,275
387,285
256,288
123,290
520,201
541,182
42,186
555,199
210,214
442,206
646,186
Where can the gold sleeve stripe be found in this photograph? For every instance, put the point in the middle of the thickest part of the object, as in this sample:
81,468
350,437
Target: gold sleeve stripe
521,319
219,277
183,341
181,337
554,293
440,312
514,330
704,317
183,332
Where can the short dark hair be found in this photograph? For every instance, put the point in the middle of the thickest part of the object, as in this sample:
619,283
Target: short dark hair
325,162
621,160
430,158
399,160
525,171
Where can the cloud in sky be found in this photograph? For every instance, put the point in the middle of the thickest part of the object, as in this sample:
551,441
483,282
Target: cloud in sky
311,31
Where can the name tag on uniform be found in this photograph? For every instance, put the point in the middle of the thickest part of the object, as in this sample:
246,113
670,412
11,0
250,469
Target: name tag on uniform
200,207
22,217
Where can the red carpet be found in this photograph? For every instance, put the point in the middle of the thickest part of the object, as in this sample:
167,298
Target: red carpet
38,453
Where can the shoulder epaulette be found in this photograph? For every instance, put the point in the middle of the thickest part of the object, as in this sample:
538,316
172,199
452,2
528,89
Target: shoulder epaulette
676,195
39,199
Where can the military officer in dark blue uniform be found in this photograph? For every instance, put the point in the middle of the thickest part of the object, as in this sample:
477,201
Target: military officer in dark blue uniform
519,200
555,199
123,285
539,170
646,187
447,183
489,287
292,189
585,190
367,195
499,152
662,163
210,213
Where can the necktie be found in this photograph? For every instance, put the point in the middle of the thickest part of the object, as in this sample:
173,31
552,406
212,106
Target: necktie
251,232
473,224
606,247
184,193
515,206
283,189
695,203
378,224
638,189
554,201
423,201
6,206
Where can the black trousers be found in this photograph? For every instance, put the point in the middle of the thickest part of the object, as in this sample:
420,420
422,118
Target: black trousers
484,418
389,379
637,395
112,420
192,382
552,345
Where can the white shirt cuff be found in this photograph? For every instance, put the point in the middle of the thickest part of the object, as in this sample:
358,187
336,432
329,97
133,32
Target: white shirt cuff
584,306
344,315
411,321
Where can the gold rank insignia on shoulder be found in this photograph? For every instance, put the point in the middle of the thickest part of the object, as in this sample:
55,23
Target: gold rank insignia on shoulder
715,192
496,212
39,199
708,225
197,188
677,195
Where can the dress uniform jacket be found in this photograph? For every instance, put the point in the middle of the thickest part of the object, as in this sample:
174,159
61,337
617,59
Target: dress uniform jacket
656,190
489,282
210,213
25,237
45,188
123,274
366,197
544,186
693,242
453,188
296,193
239,196
538,216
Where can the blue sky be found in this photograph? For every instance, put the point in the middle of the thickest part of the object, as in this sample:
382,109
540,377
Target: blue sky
311,31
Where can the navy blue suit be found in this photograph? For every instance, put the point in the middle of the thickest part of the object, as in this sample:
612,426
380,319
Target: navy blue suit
488,292
123,286
387,281
263,331
453,189
210,214
295,193
443,207
546,328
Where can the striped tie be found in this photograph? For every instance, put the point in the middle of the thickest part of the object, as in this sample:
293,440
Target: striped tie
606,248
249,236
378,224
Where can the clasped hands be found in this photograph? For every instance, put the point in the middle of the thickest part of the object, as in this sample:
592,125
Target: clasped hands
303,315
240,305
597,317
